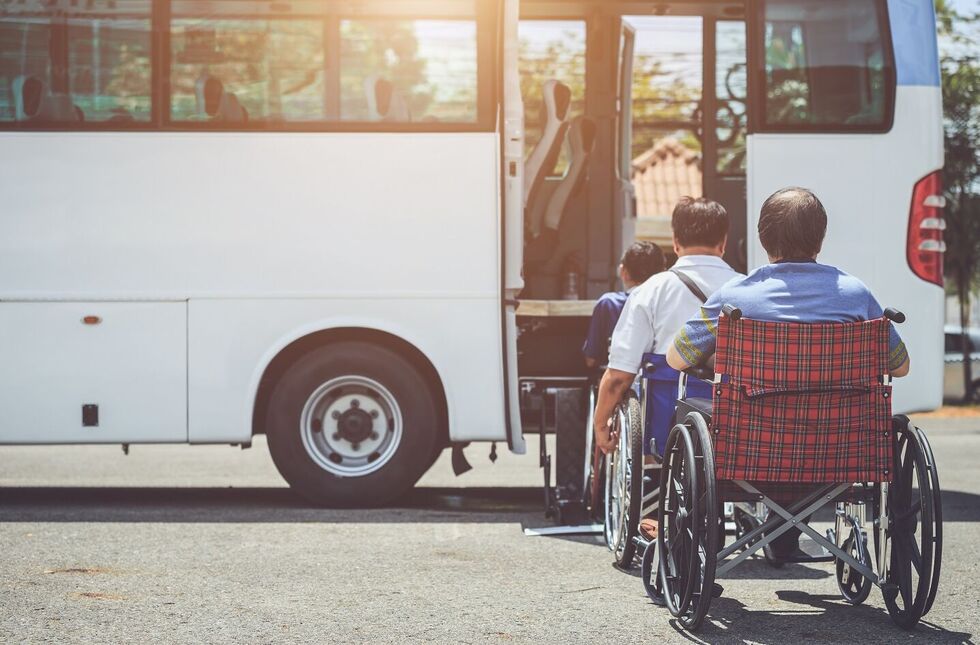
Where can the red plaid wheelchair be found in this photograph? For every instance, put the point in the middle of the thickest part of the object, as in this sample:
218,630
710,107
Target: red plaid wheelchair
799,418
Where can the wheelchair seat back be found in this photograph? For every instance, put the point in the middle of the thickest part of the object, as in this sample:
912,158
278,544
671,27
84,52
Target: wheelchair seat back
661,398
802,402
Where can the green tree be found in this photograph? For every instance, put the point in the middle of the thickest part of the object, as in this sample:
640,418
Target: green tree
663,104
961,174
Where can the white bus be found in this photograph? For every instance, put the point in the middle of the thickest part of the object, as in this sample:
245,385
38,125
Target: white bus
316,219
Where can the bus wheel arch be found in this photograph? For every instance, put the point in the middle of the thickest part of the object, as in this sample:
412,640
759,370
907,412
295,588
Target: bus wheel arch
299,391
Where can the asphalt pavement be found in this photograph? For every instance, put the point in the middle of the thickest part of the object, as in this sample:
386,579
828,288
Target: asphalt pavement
205,544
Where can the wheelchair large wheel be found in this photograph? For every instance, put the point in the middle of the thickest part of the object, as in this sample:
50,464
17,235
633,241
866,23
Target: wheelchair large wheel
624,489
911,531
687,541
937,514
594,468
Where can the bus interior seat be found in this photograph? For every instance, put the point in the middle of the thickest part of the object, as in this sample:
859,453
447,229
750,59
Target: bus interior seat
580,142
214,103
556,100
546,252
34,102
231,109
385,102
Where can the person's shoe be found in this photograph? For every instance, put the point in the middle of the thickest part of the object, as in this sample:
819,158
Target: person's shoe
648,528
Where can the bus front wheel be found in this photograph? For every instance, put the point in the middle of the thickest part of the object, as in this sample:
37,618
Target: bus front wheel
352,424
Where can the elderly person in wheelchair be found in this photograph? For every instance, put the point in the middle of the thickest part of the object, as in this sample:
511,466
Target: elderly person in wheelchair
652,315
799,417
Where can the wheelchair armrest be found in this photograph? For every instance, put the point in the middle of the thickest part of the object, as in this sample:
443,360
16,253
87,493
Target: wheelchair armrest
701,372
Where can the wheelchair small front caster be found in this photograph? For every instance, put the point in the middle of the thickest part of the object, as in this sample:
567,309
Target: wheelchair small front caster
854,587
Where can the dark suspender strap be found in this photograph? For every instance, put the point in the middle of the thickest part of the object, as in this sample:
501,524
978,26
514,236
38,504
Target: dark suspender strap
690,284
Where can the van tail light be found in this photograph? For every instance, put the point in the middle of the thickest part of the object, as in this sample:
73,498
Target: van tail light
925,246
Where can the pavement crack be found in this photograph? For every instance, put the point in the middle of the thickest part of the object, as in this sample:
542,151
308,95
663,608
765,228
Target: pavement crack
580,590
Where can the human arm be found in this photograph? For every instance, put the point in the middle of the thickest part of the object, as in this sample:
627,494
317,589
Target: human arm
632,337
902,369
899,361
614,384
675,360
695,342
595,350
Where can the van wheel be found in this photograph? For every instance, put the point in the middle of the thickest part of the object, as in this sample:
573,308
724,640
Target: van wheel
352,424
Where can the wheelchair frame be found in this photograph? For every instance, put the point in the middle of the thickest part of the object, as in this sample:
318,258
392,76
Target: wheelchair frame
688,561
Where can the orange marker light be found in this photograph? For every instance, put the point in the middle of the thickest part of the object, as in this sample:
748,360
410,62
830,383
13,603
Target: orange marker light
91,320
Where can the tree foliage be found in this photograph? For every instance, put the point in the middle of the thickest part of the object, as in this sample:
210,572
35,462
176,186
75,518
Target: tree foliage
961,174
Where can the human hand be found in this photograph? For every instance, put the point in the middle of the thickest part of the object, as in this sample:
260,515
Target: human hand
606,438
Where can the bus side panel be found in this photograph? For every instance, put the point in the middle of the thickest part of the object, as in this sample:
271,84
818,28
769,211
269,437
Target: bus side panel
176,215
232,341
865,182
93,372
268,235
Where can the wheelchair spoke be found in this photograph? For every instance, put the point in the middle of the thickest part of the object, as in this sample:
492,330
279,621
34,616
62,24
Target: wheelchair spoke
910,513
910,550
905,583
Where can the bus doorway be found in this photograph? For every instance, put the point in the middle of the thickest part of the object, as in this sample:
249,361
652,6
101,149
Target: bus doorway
689,115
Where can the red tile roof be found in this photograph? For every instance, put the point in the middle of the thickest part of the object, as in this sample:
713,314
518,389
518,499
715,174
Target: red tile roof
663,174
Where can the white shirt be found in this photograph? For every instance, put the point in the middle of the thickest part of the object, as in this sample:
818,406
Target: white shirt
657,309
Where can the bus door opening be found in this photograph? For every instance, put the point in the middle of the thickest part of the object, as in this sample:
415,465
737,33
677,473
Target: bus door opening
689,117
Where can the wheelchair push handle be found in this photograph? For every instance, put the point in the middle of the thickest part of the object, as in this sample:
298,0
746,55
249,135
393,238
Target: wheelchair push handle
731,311
894,315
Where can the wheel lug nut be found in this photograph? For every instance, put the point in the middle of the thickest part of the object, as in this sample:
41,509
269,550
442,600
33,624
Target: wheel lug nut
336,436
355,403
374,414
355,446
335,414
374,435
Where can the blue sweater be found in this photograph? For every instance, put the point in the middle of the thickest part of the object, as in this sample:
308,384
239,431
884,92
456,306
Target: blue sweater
787,292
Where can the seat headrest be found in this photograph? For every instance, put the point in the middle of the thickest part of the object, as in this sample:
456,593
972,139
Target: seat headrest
385,102
557,99
33,101
209,91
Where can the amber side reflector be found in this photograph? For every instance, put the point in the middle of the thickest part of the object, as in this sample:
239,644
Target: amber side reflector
91,320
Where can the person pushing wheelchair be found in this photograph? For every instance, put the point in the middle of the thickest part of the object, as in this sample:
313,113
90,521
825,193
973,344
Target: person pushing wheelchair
793,287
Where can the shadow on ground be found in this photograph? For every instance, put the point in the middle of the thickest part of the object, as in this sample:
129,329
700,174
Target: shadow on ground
244,505
809,618
62,504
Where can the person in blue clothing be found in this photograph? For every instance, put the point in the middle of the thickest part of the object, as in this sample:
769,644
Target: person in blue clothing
641,260
793,287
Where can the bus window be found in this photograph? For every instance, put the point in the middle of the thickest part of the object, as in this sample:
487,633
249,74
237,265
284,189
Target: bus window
730,94
74,64
550,49
408,70
244,68
826,66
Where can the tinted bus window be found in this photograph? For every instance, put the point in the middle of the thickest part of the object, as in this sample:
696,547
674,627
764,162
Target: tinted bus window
237,70
408,70
826,65
73,64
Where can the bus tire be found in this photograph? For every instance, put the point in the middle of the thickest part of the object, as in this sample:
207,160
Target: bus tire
352,424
